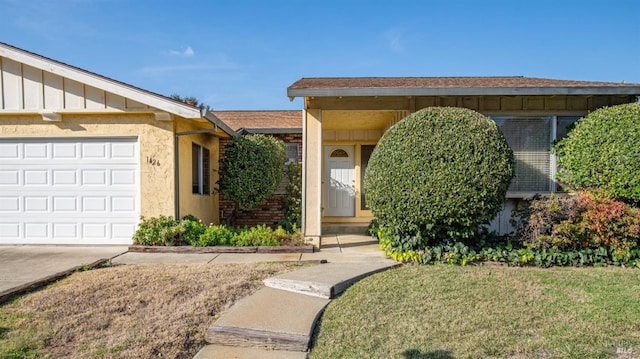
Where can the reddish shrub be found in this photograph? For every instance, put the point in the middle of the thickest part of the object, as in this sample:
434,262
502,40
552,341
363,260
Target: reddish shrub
586,220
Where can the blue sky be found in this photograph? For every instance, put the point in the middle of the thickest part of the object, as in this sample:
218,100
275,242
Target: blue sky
242,55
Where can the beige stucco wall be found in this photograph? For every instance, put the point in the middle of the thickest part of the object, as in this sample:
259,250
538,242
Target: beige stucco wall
205,207
155,141
312,175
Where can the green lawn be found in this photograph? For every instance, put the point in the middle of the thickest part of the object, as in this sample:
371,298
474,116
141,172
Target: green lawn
485,312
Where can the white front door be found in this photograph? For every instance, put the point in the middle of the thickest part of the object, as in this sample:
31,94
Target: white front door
339,181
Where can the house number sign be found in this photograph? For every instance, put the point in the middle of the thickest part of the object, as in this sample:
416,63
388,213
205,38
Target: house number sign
152,161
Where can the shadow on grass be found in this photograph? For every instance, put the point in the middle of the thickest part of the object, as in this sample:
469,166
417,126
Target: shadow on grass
436,354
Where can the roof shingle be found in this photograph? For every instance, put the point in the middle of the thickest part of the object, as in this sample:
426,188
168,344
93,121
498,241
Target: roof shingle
264,120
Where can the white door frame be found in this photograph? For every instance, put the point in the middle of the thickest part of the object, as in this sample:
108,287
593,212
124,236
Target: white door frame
339,181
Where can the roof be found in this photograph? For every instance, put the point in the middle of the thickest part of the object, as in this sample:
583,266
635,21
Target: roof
101,82
453,86
289,121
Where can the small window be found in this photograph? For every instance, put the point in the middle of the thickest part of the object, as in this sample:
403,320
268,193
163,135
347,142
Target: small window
200,169
292,152
339,153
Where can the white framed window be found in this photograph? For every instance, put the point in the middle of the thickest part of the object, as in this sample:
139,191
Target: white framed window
531,138
200,169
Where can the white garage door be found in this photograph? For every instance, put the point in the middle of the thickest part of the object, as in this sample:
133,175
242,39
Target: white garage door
69,191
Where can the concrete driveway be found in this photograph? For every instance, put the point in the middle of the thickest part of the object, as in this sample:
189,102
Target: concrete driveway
23,266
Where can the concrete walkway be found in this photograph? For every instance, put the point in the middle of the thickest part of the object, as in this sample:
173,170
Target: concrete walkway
275,322
278,321
24,268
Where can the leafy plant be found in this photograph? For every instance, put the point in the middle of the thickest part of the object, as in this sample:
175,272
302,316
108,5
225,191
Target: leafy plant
215,235
292,200
193,228
158,231
602,152
251,170
586,220
260,235
437,174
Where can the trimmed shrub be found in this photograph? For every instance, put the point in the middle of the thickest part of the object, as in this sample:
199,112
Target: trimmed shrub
252,169
602,152
438,174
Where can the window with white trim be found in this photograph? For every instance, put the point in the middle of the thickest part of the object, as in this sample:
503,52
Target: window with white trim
531,139
200,169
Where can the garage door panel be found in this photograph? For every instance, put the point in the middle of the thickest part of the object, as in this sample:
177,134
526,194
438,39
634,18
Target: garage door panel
35,204
10,204
65,151
67,231
94,231
10,231
123,150
36,151
123,204
94,178
65,177
9,150
69,191
36,178
65,204
36,230
9,177
123,177
94,150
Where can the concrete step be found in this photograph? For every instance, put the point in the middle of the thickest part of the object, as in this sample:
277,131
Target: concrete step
220,351
269,319
345,228
326,280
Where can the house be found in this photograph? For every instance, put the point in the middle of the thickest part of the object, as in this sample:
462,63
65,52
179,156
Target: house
83,156
345,117
284,125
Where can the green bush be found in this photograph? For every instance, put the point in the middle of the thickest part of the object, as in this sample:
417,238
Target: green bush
259,235
292,201
438,174
165,231
192,228
252,169
158,231
215,235
602,152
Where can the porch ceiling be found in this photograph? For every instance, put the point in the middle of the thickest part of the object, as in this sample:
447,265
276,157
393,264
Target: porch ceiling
356,120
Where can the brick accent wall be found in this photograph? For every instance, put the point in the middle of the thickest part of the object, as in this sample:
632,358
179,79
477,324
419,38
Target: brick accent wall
270,212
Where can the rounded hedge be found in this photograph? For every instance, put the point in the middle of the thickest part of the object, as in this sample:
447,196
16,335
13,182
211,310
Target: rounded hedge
602,152
438,174
252,169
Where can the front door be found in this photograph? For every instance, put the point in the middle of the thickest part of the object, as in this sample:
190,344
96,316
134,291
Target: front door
339,181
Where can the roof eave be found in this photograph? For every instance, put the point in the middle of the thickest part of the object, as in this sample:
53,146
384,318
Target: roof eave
275,131
219,124
464,91
100,82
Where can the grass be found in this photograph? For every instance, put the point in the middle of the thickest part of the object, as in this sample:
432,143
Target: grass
485,312
127,312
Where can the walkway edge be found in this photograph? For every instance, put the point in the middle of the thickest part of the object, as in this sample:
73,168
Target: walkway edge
31,286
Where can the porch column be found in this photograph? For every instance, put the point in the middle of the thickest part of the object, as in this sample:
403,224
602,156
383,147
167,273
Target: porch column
312,175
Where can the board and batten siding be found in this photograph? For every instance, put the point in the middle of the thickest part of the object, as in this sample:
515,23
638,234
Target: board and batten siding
26,89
